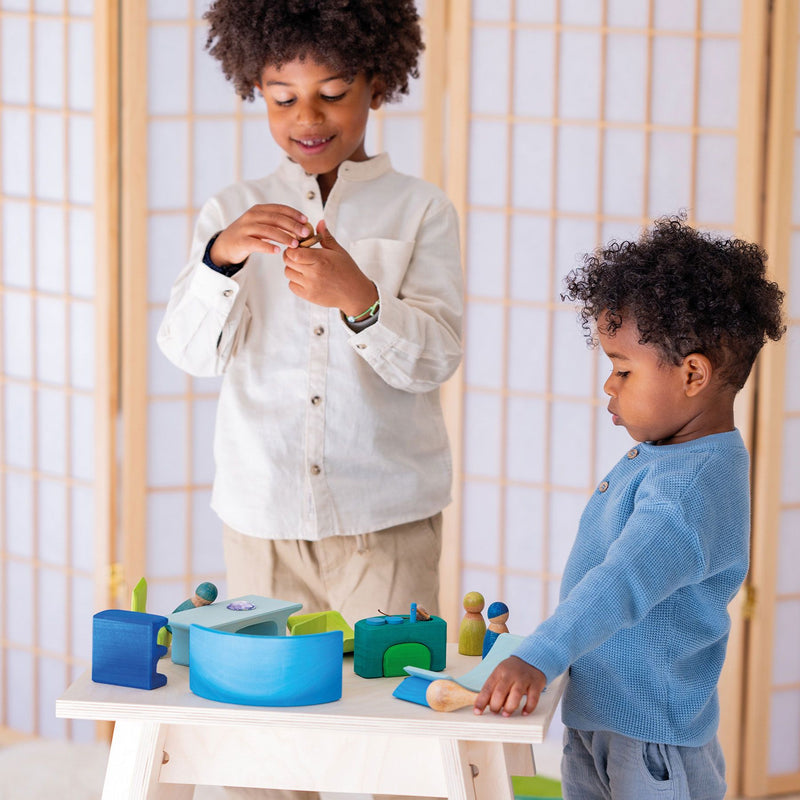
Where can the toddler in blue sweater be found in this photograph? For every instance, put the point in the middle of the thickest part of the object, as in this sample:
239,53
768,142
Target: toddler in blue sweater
662,546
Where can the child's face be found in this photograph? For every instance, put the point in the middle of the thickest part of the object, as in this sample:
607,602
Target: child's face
648,397
318,116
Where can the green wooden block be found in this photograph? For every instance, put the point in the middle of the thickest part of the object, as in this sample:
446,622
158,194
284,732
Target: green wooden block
536,788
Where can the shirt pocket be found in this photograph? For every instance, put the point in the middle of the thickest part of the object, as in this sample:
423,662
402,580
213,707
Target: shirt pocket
384,261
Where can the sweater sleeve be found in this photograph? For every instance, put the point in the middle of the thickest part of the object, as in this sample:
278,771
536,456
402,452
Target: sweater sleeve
657,552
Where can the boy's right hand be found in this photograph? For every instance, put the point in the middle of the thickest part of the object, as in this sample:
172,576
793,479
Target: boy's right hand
511,680
261,229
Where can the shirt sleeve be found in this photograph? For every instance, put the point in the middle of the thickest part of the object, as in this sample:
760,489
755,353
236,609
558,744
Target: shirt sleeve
415,344
206,316
657,552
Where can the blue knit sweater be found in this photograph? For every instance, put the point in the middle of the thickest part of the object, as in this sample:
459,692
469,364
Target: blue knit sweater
661,549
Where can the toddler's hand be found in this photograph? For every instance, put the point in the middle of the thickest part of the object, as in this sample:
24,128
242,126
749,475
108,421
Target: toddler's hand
328,276
510,681
259,230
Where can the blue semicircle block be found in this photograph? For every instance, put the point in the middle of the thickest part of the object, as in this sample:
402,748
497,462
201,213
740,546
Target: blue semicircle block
265,670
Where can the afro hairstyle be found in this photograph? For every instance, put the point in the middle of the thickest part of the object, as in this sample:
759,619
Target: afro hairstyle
687,292
378,37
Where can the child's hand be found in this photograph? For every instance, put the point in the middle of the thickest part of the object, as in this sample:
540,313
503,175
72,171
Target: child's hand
328,276
259,230
509,682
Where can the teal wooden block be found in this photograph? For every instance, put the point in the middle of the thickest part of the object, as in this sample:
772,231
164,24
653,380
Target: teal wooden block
265,670
268,617
376,641
124,649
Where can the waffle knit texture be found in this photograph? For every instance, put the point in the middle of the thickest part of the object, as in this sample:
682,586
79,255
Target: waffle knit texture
642,623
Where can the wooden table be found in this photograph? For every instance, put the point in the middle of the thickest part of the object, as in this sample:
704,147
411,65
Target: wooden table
167,740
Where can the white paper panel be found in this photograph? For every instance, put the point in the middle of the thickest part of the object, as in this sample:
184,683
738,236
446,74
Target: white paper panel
491,9
52,421
81,160
579,75
167,69
626,72
790,491
534,56
163,378
784,743
50,334
14,60
628,13
572,363
81,66
168,237
48,63
52,518
721,16
206,540
260,154
581,12
51,630
577,169
569,425
49,152
167,167
565,513
482,434
623,171
214,156
18,409
529,258
524,601
48,6
526,439
719,95
489,66
211,93
16,245
168,9
536,10
82,346
19,514
81,253
485,255
20,627
52,681
166,541
676,15
574,237
527,357
792,397
166,439
17,343
82,596
484,331
49,244
479,528
403,140
786,646
19,674
81,8
673,88
82,451
533,164
716,179
16,144
487,176
670,173
82,522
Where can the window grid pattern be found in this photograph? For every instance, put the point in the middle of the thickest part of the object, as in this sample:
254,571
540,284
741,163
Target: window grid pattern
47,359
200,138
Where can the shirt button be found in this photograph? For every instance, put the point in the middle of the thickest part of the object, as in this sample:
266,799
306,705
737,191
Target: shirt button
633,453
227,293
319,330
361,346
311,195
316,400
603,486
315,469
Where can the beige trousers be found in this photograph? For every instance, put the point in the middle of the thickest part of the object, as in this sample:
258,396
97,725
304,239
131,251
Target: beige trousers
358,576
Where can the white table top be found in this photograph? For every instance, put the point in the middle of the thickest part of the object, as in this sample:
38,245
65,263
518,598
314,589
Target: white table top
366,705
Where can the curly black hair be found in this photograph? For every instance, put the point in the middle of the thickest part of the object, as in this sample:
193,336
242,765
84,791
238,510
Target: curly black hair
379,37
687,292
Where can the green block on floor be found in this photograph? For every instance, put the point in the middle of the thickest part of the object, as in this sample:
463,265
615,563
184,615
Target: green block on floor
537,788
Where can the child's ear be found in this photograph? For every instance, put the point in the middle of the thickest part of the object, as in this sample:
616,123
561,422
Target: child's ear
697,372
378,93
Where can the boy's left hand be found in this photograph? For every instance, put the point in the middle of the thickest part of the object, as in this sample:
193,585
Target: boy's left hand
328,276
511,680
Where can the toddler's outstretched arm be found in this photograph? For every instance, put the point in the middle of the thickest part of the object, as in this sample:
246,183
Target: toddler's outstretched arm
511,680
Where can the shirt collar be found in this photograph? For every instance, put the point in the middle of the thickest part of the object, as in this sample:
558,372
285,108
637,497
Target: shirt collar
348,170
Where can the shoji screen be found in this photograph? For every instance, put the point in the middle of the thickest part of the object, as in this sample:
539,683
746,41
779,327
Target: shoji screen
187,136
576,123
57,371
772,727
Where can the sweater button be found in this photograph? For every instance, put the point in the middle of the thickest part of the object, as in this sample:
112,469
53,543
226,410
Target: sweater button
633,453
603,486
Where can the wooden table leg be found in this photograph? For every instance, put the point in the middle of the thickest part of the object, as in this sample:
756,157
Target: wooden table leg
134,762
483,770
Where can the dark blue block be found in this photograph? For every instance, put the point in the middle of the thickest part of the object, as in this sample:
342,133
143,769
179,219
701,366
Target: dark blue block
124,649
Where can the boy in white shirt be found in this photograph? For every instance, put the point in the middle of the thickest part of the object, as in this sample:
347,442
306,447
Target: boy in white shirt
332,460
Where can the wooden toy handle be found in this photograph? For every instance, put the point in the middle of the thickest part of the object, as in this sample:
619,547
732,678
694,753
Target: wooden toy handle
444,695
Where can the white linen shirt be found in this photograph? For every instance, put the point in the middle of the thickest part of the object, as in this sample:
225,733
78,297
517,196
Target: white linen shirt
323,431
